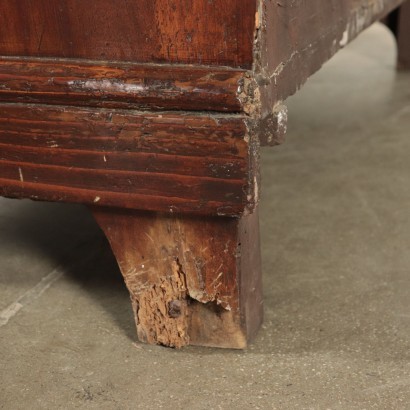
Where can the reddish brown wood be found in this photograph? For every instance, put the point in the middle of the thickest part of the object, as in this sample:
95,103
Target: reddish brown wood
120,85
210,32
191,281
100,123
163,162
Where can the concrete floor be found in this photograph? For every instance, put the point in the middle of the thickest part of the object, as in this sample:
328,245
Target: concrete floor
335,244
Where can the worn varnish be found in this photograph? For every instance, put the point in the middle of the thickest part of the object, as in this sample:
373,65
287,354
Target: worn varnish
152,113
208,32
120,85
167,162
295,38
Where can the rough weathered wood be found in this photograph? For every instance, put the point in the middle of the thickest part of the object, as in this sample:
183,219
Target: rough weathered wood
191,281
100,123
162,162
210,32
120,85
295,37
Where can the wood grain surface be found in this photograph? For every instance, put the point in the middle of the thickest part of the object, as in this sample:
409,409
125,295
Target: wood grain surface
170,162
152,112
191,280
120,85
209,32
175,162
295,38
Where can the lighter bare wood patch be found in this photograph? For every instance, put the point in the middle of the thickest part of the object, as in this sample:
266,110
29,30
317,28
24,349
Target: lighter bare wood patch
162,310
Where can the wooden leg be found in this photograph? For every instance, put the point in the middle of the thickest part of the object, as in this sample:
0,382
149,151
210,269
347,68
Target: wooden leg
399,22
403,36
192,280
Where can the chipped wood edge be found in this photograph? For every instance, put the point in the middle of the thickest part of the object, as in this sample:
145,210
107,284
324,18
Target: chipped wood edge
191,280
119,85
263,90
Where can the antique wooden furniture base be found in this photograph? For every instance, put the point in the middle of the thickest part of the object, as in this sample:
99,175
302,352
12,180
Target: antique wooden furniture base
191,279
153,115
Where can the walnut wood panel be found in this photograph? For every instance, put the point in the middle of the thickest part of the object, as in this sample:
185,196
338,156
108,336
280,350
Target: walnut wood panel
191,280
210,32
116,85
163,162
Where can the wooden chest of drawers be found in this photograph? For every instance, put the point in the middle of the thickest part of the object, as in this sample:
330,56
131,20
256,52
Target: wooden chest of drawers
152,113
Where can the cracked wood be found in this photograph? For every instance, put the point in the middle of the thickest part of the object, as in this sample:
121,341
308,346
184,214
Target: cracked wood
169,162
191,280
120,85
294,38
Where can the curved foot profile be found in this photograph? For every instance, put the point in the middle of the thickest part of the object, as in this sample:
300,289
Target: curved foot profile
191,280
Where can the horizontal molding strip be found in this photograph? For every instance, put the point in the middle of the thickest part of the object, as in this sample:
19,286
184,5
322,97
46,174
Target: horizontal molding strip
167,161
120,85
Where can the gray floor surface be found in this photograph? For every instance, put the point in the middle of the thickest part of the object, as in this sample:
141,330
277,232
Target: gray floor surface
335,219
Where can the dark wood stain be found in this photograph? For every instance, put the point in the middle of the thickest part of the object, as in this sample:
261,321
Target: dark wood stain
152,112
210,32
164,162
297,37
119,85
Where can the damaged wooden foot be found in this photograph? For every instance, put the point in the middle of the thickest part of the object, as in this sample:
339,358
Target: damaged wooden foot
191,280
